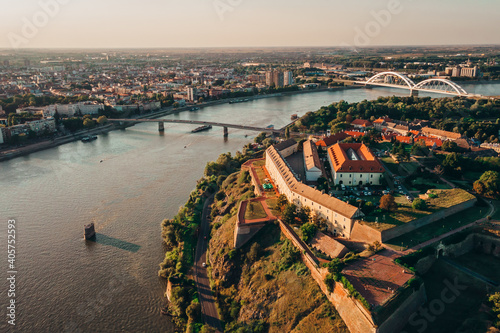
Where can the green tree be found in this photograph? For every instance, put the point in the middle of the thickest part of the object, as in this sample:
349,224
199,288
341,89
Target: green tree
254,252
259,138
419,204
335,266
449,146
488,184
102,120
289,214
304,214
388,203
287,133
282,202
89,123
495,300
308,231
193,311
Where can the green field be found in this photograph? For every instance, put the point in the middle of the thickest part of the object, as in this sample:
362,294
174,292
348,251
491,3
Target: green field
390,164
405,213
437,228
427,182
255,211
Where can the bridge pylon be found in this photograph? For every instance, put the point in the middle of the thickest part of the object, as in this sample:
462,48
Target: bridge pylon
414,92
226,133
161,127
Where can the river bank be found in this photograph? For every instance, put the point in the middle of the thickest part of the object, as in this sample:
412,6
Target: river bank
32,148
39,146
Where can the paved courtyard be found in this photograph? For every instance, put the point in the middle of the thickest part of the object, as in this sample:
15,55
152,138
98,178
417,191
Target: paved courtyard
377,277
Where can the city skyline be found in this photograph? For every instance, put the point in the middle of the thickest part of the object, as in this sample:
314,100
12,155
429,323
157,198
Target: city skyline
240,23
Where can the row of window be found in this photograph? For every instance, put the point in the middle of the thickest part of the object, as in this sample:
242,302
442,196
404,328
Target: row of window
350,176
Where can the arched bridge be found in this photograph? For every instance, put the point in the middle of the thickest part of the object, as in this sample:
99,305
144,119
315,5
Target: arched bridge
398,80
161,122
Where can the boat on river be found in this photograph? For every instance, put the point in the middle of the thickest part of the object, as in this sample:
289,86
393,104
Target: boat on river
201,128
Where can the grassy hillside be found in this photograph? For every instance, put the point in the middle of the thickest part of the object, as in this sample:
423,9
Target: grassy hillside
264,287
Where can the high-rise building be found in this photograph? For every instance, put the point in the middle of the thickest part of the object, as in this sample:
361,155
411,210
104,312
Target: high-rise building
470,71
278,79
269,77
191,94
288,81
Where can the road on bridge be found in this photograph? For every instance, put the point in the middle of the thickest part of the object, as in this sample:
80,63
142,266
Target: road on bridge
198,122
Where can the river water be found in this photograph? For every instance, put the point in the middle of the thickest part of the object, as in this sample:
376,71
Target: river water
126,182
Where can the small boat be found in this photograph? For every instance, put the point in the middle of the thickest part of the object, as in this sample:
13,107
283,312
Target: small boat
89,138
201,128
165,311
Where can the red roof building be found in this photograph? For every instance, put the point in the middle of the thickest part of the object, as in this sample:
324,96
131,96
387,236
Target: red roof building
354,164
361,123
332,139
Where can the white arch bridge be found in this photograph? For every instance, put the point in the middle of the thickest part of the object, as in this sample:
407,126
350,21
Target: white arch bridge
398,80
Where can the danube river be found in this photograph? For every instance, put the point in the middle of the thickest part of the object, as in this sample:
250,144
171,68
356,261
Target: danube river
126,182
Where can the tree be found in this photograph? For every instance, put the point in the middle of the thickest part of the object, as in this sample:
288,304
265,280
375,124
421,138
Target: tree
282,202
254,252
308,231
335,266
419,204
89,123
304,213
451,162
449,146
193,311
287,133
289,214
388,203
207,329
102,120
259,138
488,184
495,299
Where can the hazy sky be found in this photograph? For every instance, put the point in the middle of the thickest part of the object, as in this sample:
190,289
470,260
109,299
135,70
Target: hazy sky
219,23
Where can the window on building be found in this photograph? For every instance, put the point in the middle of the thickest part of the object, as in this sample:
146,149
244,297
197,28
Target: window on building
372,176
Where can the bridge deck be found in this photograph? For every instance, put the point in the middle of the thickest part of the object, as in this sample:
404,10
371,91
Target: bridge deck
198,122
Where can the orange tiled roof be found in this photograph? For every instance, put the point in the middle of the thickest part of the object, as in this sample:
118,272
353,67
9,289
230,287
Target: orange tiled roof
366,162
354,133
332,139
404,139
310,193
361,122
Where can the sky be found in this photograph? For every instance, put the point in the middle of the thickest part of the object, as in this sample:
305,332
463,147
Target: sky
240,23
